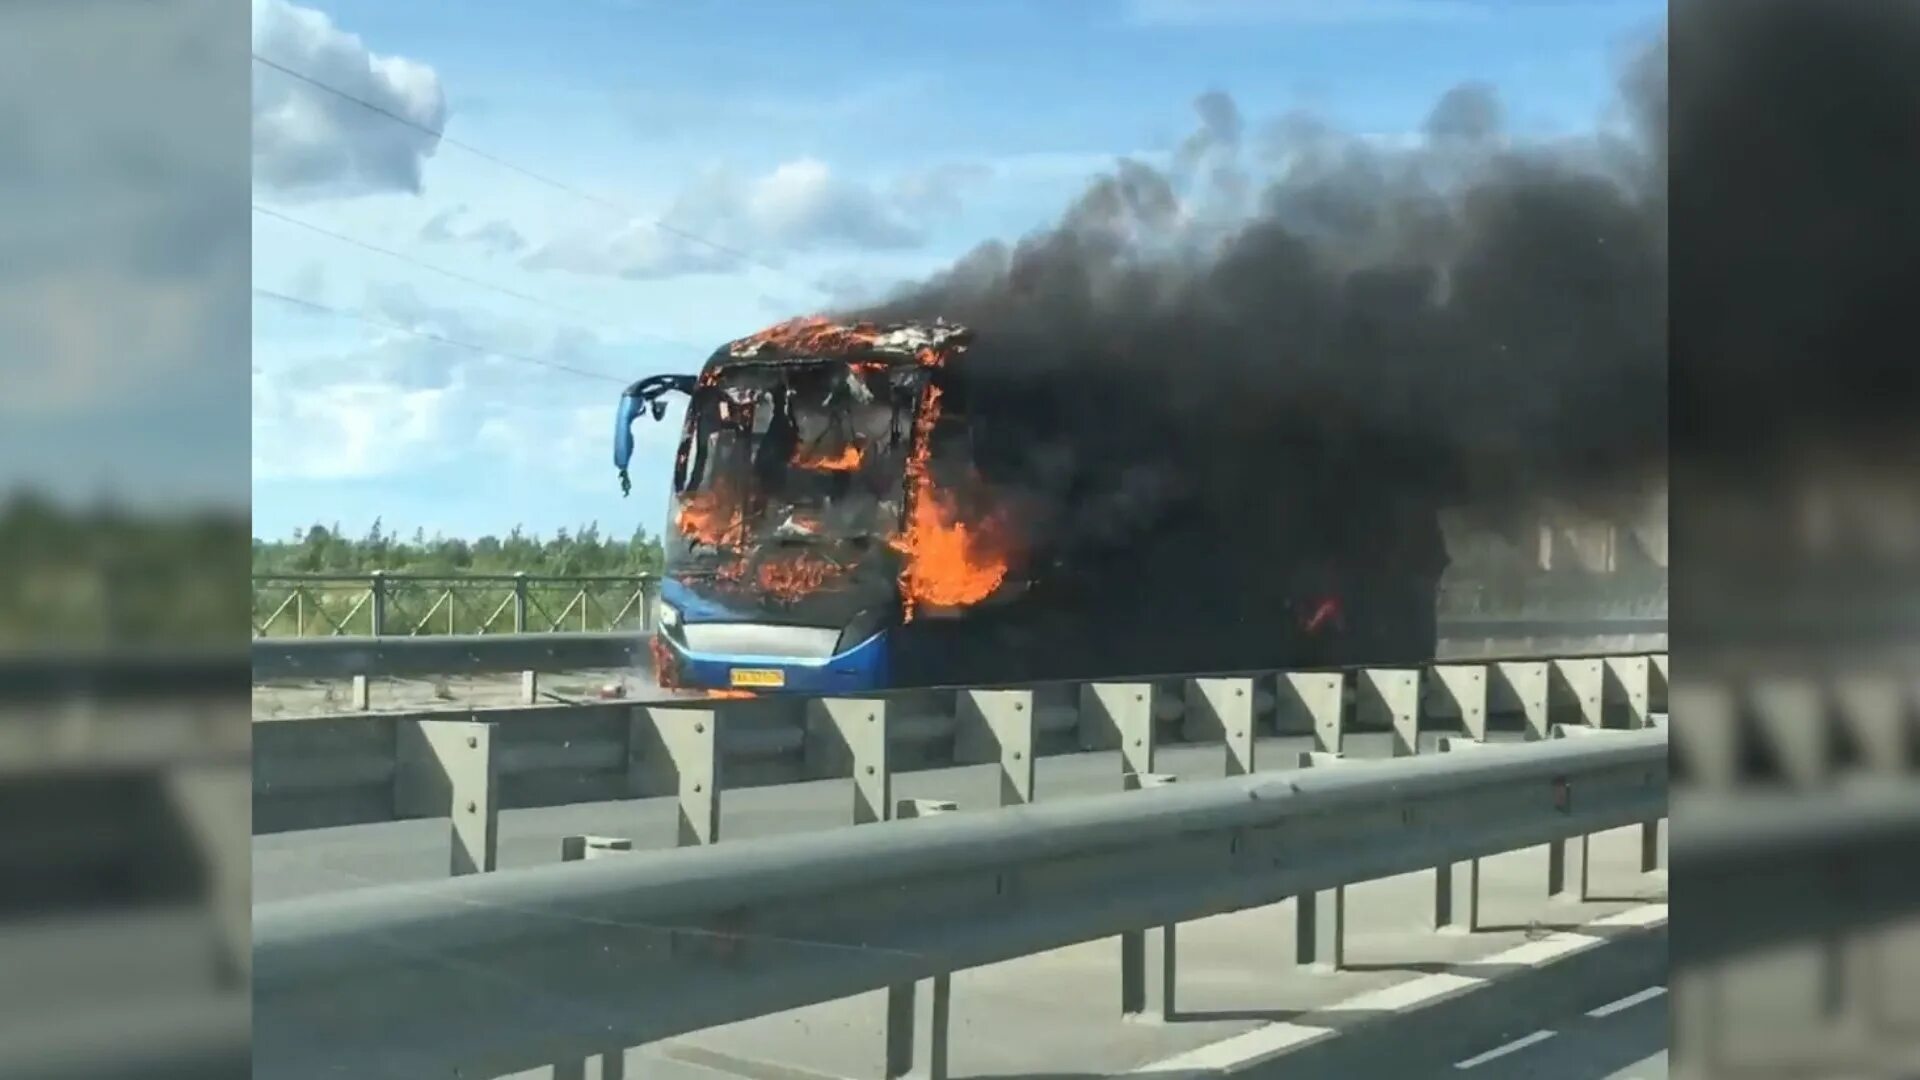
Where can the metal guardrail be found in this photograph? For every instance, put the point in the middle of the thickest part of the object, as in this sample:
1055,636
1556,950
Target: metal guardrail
468,765
1795,780
345,657
133,767
453,978
1776,859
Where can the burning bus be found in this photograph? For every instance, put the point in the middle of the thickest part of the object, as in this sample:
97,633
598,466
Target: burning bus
853,508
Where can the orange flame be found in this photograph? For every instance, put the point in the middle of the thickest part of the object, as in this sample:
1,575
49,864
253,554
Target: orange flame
847,460
949,563
665,671
709,517
818,335
796,575
1327,611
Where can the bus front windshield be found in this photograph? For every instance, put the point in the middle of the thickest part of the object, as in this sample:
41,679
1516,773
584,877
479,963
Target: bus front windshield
793,454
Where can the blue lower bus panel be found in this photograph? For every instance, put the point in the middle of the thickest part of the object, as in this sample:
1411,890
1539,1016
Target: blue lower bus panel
860,669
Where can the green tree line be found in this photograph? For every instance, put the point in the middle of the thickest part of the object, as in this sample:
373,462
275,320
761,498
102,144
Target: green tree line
103,576
566,553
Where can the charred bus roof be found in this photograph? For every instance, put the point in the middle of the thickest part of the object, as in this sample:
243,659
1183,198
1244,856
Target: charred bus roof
803,341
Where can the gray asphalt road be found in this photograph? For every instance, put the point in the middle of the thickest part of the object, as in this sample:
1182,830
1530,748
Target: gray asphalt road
323,697
1624,1039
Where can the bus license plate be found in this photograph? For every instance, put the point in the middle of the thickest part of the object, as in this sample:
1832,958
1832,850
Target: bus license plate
761,677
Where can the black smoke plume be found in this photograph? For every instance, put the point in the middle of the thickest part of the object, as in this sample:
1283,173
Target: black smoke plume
1295,344
1476,318
1796,151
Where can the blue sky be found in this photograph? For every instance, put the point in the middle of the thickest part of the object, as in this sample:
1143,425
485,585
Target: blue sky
844,145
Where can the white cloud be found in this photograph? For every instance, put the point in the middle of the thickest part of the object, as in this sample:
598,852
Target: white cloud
365,403
308,142
1202,13
123,251
722,222
346,430
495,236
942,189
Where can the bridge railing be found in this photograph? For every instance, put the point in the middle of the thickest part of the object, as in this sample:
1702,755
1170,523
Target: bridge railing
400,604
433,979
396,604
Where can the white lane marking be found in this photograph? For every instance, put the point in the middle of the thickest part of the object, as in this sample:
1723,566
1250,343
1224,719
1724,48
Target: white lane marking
1644,915
1627,1002
1271,1039
1520,1043
1535,953
1255,1045
1406,994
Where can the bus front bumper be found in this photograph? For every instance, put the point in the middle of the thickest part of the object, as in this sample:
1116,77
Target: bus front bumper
857,670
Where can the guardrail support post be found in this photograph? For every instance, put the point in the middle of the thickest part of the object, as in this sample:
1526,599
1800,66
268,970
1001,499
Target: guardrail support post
1222,709
1320,924
1320,695
855,733
1523,684
1120,715
998,725
676,750
1567,860
1875,719
1583,683
1320,918
1465,688
377,603
1580,682
449,766
1147,969
530,688
1628,681
613,1062
1456,886
362,693
1567,869
613,1066
916,1039
1708,742
907,1029
1788,716
1147,957
1393,696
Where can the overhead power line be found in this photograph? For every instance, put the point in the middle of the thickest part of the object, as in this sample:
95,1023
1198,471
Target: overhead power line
537,177
422,264
361,316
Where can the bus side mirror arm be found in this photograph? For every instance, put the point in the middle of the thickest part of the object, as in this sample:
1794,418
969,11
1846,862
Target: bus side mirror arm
648,394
